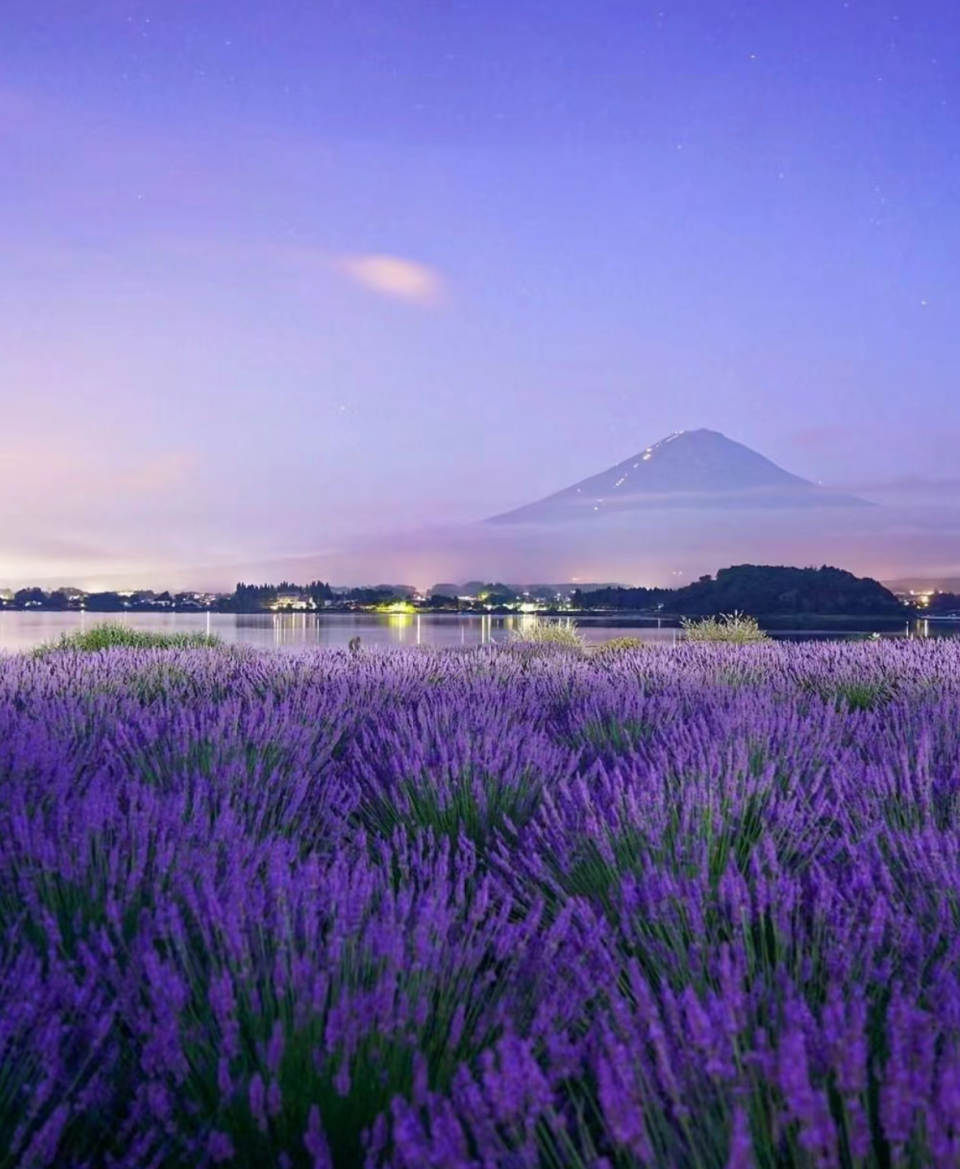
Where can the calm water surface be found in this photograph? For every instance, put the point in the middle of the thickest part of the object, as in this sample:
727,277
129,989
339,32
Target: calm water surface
20,631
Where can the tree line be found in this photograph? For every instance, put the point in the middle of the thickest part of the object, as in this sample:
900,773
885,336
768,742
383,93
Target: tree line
259,598
760,590
941,603
246,598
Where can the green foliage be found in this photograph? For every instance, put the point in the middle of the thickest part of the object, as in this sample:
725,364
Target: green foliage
616,736
597,870
734,627
677,857
540,632
113,636
618,645
159,680
352,1084
861,695
251,598
942,603
474,805
762,589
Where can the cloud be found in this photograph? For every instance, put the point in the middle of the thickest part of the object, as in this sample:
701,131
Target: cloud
394,277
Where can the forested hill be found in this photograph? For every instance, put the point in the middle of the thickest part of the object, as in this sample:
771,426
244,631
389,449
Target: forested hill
760,590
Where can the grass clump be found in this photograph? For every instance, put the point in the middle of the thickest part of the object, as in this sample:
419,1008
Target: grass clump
619,645
476,805
110,635
612,735
736,628
541,632
858,695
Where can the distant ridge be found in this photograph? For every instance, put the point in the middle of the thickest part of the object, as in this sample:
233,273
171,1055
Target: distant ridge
693,469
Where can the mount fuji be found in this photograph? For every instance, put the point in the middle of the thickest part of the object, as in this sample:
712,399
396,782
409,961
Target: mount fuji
691,469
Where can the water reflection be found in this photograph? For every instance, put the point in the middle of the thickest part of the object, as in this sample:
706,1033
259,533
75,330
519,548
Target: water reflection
287,631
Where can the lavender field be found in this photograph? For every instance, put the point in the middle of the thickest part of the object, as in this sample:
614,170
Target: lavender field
512,907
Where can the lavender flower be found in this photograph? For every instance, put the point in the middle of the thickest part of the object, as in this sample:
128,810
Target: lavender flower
691,907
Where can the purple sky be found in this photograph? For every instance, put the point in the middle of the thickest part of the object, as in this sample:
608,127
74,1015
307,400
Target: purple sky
273,275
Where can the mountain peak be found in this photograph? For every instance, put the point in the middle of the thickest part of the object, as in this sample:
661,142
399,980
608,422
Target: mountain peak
689,468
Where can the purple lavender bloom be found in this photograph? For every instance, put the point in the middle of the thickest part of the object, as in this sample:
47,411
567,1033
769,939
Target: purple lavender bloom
257,1097
315,1142
484,909
220,1148
741,1145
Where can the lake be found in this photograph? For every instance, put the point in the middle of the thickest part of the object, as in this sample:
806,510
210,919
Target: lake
291,631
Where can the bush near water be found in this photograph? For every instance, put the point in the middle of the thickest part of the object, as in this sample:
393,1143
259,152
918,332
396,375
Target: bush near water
691,907
735,627
111,635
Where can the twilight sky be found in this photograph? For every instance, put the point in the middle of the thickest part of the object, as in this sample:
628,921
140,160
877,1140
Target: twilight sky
276,276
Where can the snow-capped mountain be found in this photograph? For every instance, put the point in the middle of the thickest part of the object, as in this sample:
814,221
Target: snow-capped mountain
692,469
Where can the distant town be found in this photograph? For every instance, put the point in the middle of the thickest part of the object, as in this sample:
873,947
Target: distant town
763,591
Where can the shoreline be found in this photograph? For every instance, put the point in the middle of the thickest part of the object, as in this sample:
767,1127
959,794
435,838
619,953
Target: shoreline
609,615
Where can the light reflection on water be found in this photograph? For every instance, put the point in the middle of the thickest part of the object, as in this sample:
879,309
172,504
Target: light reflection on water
23,630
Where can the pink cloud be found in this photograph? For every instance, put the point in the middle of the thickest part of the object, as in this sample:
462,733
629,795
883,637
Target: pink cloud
394,277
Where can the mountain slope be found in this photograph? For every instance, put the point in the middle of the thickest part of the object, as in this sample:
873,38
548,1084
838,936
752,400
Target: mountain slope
691,469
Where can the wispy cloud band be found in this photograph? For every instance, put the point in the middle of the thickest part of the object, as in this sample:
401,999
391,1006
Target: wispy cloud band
394,277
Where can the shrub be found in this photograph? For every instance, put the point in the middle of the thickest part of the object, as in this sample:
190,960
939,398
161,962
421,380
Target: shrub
730,627
110,635
619,645
541,632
